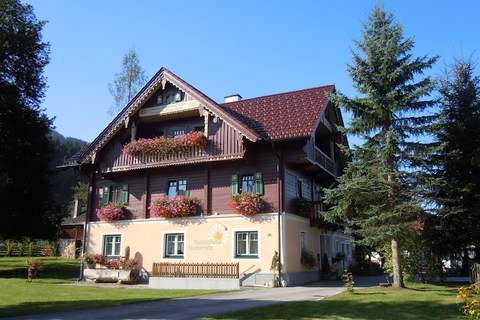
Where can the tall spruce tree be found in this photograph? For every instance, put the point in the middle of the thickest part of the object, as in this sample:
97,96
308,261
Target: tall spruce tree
376,196
25,150
456,165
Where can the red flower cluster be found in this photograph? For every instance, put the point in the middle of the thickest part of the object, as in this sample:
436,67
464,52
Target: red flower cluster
165,145
98,259
112,212
175,208
114,264
247,203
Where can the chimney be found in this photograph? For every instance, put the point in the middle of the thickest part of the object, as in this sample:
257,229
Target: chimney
233,98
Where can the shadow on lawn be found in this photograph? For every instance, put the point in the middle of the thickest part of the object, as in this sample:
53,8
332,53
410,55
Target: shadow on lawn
50,269
358,310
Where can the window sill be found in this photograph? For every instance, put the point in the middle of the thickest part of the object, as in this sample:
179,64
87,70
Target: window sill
174,257
247,257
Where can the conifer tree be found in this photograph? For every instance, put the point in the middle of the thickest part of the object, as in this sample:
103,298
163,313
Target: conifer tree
455,167
377,197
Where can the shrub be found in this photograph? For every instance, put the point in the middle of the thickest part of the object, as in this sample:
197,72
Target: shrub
33,267
247,203
175,208
469,300
348,281
303,207
166,145
307,258
112,212
47,250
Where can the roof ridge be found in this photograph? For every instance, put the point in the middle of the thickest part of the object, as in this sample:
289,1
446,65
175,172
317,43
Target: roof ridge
280,93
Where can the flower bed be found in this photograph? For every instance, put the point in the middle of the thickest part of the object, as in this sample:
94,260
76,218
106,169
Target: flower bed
165,145
112,212
175,208
247,203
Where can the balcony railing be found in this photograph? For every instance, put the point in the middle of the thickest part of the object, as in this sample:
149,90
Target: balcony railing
117,160
318,157
317,218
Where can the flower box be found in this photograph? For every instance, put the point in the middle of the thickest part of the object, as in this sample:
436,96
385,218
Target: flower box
177,207
166,145
112,212
247,203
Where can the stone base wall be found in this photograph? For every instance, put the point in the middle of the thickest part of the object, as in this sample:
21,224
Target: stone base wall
194,283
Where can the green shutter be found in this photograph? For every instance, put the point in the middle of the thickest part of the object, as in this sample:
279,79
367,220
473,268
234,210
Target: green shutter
125,193
258,183
106,196
234,185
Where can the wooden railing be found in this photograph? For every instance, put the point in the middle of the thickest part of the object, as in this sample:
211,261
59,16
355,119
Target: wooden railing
196,270
319,157
317,218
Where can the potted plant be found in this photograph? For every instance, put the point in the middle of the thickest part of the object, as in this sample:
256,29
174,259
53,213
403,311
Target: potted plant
303,207
307,259
247,203
177,207
112,212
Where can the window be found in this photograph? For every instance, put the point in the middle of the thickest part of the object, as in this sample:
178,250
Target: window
174,245
299,189
246,244
111,245
247,183
303,240
116,194
177,188
177,132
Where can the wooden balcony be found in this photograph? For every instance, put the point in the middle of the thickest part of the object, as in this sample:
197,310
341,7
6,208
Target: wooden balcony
116,160
317,218
319,158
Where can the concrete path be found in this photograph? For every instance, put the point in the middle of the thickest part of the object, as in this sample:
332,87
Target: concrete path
199,306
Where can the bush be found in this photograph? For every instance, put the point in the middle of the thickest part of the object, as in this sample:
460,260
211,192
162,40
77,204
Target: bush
112,212
177,207
348,281
247,203
33,267
303,207
469,300
325,265
308,259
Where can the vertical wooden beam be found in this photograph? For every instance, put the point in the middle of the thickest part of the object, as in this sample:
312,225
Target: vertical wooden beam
133,131
146,194
207,191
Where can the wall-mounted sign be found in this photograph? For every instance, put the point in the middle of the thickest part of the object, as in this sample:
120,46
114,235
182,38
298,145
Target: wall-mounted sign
216,238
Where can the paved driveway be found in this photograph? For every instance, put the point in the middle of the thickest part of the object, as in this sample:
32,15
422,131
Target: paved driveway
194,307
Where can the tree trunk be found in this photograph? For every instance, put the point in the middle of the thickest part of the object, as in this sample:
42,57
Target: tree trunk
397,270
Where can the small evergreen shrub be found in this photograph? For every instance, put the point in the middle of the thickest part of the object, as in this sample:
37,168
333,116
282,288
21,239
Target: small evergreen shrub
308,259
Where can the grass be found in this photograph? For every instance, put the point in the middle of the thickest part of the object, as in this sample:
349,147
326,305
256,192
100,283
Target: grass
419,302
54,290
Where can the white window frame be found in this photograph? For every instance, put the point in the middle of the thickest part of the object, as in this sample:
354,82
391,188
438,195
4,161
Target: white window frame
165,245
246,256
303,240
104,245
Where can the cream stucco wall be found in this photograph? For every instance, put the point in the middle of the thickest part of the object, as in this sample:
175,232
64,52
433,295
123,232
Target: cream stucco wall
207,239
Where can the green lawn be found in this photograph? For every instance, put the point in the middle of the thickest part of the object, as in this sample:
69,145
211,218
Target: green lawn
418,302
53,291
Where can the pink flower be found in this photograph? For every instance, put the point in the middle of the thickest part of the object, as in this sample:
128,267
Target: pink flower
112,212
165,145
247,203
175,208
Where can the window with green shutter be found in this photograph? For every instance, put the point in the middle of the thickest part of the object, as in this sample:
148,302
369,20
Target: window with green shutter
259,189
116,194
234,185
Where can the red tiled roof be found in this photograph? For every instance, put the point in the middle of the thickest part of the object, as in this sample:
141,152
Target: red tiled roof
282,116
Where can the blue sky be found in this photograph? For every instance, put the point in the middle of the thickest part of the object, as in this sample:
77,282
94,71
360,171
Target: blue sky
249,47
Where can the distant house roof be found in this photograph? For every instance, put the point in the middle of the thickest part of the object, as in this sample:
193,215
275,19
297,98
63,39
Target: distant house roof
284,115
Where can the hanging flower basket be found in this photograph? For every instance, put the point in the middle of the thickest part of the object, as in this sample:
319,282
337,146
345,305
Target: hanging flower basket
177,207
112,212
166,145
247,203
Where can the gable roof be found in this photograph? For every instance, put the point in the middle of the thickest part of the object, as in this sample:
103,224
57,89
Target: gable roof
283,116
144,94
